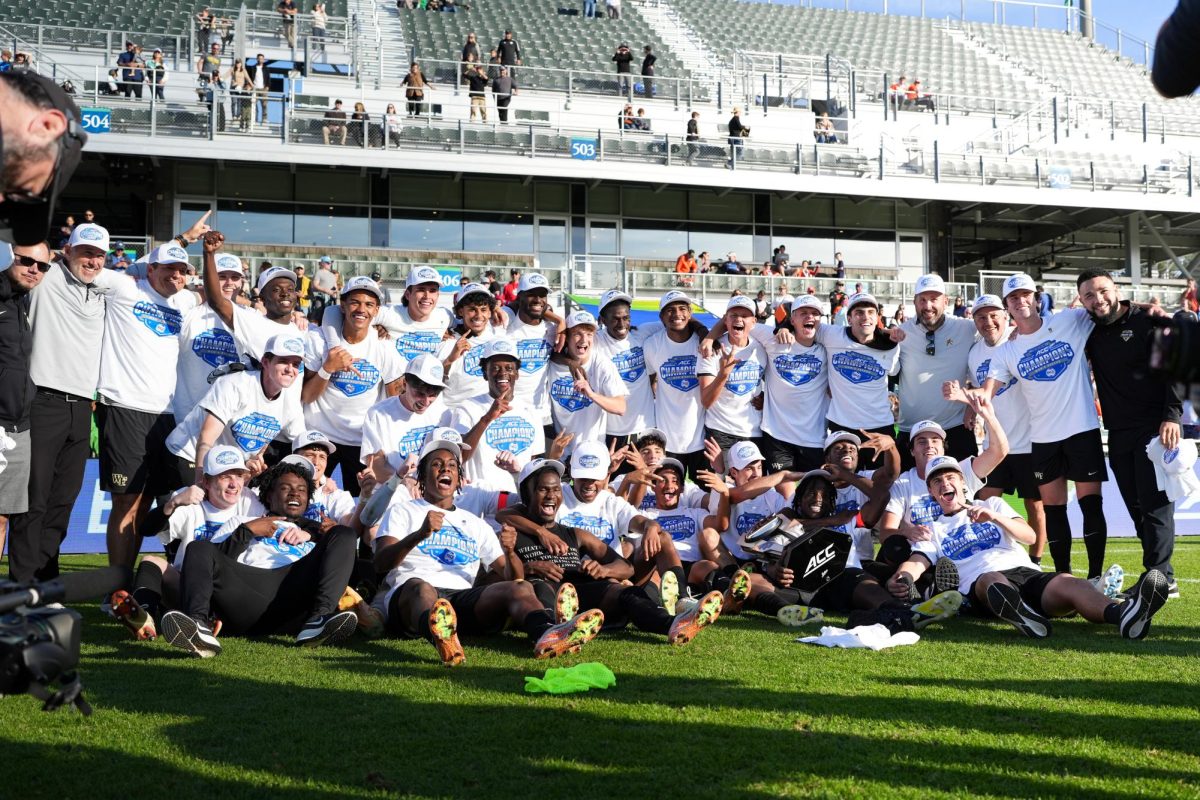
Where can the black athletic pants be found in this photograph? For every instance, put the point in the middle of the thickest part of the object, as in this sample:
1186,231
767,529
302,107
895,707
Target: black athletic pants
255,601
60,434
349,458
1152,513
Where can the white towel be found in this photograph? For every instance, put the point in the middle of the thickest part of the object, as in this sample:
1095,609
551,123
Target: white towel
1173,469
874,637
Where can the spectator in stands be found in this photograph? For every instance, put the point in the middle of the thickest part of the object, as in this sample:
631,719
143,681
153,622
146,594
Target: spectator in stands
204,26
24,61
260,84
509,293
626,120
477,81
240,87
911,93
503,89
391,122
839,265
1188,300
209,67
335,123
693,137
960,307
685,267
824,131
737,134
90,216
6,60
589,9
702,261
1045,302
837,298
287,12
762,306
320,21
899,317
132,75
110,87
360,124
641,122
303,290
731,266
896,93
493,285
119,259
858,287
623,58
614,8
323,290
471,48
780,257
385,293
509,53
915,98
156,72
648,59
414,91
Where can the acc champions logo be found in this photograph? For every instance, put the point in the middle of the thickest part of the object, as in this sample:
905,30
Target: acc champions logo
160,320
215,347
534,353
450,546
588,462
858,368
90,235
680,528
562,391
747,522
981,375
744,378
967,540
225,458
924,510
679,372
798,369
471,364
351,384
510,434
630,364
206,531
412,440
599,527
1046,362
414,343
254,431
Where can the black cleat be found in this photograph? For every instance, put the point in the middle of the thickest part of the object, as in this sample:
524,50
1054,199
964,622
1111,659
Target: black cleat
1005,602
1151,595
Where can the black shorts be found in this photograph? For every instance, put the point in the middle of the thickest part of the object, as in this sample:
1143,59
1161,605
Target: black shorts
781,455
133,451
838,594
591,592
960,443
693,463
1015,474
1078,458
727,440
1030,582
463,601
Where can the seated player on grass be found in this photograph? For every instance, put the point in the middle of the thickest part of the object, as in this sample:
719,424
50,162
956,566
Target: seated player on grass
432,552
587,572
987,543
647,453
329,501
280,573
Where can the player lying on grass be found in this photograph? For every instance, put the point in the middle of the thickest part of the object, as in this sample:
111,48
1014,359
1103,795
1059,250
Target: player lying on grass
432,553
987,543
586,572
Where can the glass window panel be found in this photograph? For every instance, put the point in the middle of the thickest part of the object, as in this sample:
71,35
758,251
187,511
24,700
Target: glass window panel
258,183
867,252
848,214
733,207
603,238
650,239
815,211
332,225
194,178
498,233
909,217
604,199
426,230
426,191
266,223
552,235
639,202
912,252
510,195
332,186
553,197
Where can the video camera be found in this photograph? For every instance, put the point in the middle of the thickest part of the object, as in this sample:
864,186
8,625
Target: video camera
39,645
814,557
1175,352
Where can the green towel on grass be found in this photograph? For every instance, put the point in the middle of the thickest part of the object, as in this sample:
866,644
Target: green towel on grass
565,680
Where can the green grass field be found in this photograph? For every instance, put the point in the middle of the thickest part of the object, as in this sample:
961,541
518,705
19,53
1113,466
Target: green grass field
973,710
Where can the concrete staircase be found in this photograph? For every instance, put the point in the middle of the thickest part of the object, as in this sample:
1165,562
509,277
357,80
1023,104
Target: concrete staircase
679,37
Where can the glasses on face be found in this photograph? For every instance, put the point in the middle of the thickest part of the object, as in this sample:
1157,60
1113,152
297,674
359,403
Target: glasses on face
930,349
29,261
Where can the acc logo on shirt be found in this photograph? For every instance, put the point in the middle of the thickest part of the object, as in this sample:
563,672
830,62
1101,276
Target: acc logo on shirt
510,434
599,527
291,551
967,540
206,531
450,546
630,364
254,431
924,510
562,391
414,343
798,369
848,505
534,353
680,528
471,364
161,320
413,439
1046,362
351,384
747,522
981,375
215,347
679,372
858,368
744,378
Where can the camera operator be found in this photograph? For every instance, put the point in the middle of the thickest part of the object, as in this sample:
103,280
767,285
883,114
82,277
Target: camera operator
1176,61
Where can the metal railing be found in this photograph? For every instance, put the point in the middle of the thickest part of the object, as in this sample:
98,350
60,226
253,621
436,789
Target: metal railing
111,43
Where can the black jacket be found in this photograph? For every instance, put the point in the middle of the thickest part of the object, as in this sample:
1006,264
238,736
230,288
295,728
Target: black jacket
623,59
16,349
509,52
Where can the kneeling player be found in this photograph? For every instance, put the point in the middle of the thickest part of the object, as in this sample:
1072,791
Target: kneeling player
985,541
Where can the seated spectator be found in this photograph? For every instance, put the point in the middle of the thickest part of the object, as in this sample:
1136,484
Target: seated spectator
362,121
896,93
118,259
781,258
6,61
471,48
111,86
703,263
731,266
641,122
960,307
685,266
824,131
627,121
391,121
335,124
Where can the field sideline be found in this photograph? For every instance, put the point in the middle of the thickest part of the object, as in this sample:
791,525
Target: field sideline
973,710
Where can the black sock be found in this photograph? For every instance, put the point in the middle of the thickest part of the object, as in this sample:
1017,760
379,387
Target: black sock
1058,537
1112,613
1036,560
536,623
679,576
147,587
643,612
767,603
1095,532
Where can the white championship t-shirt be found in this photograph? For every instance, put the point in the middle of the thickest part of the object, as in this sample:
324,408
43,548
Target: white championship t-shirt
413,338
341,409
975,547
201,522
397,432
1009,402
517,431
909,497
205,343
251,420
684,526
534,345
575,413
337,504
692,495
858,384
465,378
629,358
745,517
607,517
796,393
270,552
678,411
252,331
734,412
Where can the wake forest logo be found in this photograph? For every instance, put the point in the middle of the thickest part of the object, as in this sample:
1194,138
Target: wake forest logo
353,384
563,392
160,320
1126,335
415,343
534,353
745,378
679,372
858,368
511,434
798,369
215,347
981,376
254,431
450,546
630,364
598,526
679,528
967,540
1046,362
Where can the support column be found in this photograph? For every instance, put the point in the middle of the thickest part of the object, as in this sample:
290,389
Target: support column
1133,247
938,239
1086,27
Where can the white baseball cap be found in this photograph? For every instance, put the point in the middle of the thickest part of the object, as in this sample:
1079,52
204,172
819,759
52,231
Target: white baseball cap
361,283
434,443
926,426
500,347
743,454
590,461
419,275
427,369
613,296
941,464
268,275
301,462
310,438
672,463
1016,282
532,281
448,435
651,433
929,283
91,235
807,301
228,262
538,464
169,253
285,344
860,299
674,296
580,317
986,301
222,459
841,436
470,289
741,301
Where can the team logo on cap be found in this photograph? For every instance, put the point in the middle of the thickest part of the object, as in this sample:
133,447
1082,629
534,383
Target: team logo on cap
798,370
858,368
673,297
746,450
160,320
353,384
226,457
981,375
415,343
413,440
563,392
679,528
177,252
1046,362
91,235
630,364
255,431
599,527
747,522
745,378
536,281
511,434
967,540
589,461
450,546
228,263
215,347
679,372
292,346
534,353
425,275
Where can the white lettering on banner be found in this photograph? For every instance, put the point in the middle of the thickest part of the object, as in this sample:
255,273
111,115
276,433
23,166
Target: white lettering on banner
819,560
